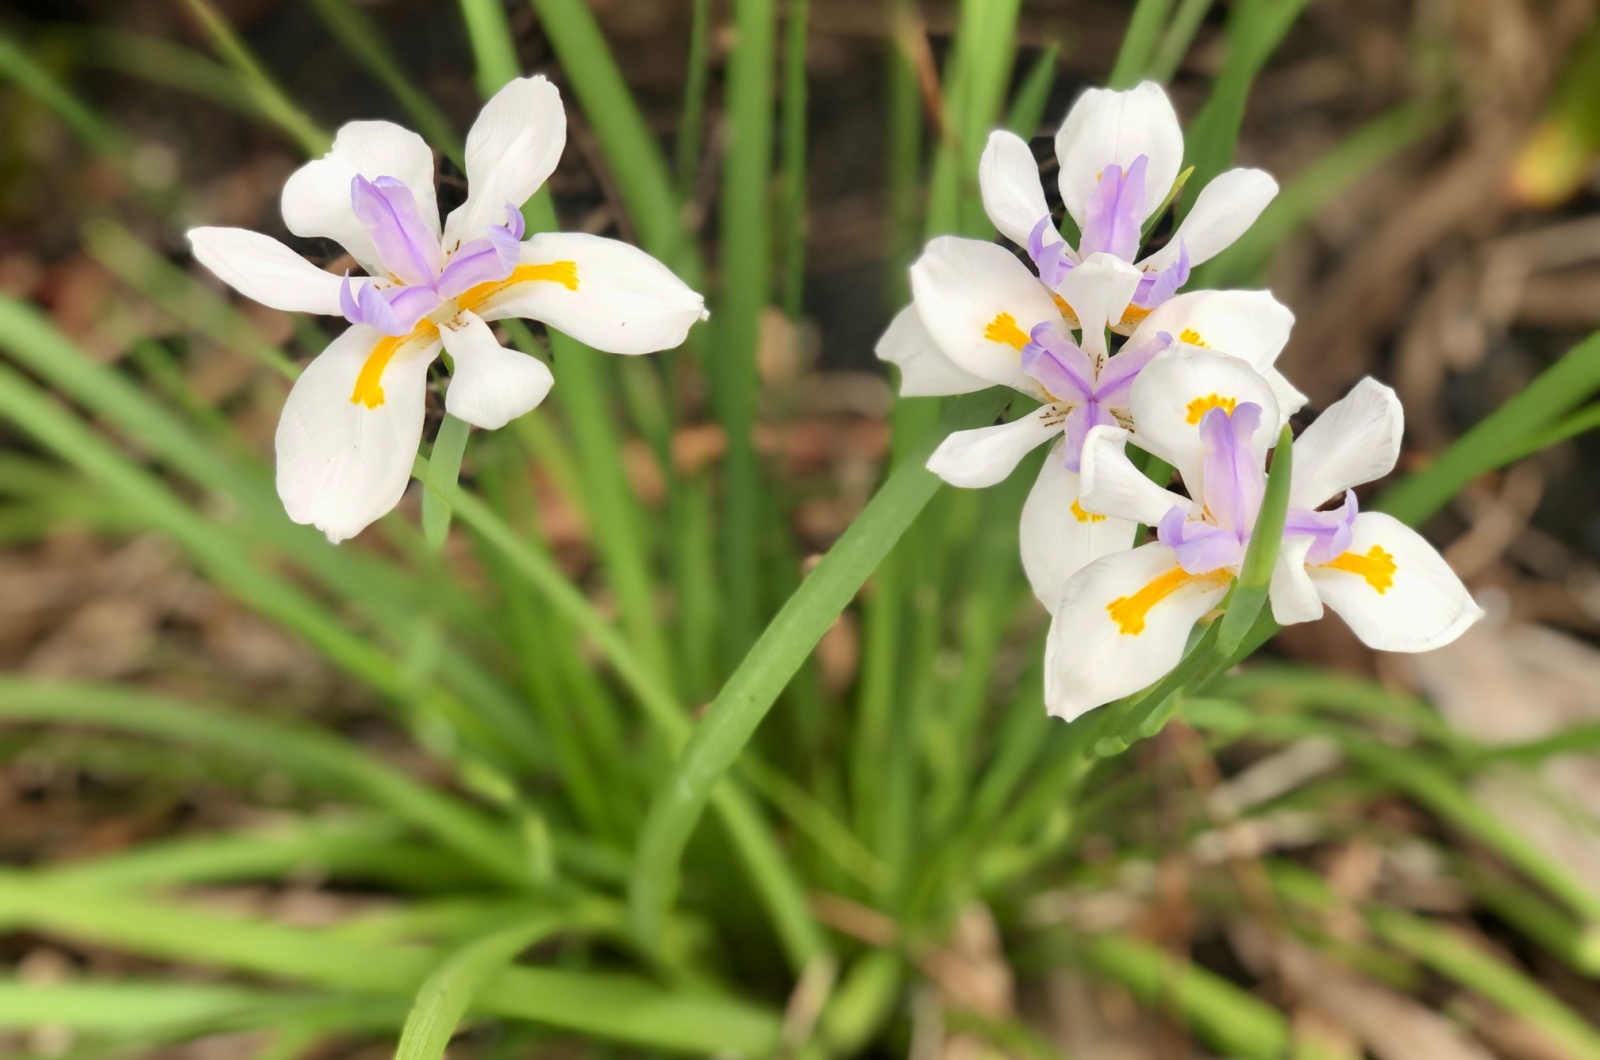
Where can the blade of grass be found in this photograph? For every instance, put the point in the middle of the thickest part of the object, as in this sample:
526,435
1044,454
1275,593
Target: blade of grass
1138,43
1027,107
1221,1013
494,49
782,647
269,98
1308,191
449,990
611,1006
777,885
687,149
444,469
17,66
363,40
792,227
300,750
1255,27
746,265
1255,574
1175,41
638,164
1497,438
1456,959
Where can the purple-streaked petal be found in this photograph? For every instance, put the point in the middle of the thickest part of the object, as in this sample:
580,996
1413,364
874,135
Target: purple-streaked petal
1053,261
404,243
480,261
1331,530
1158,286
369,307
1199,547
1076,427
1059,364
515,223
1114,211
411,304
1116,378
1233,478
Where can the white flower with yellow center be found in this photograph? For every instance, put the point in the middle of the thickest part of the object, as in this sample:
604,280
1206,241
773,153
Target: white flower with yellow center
978,318
1123,620
352,423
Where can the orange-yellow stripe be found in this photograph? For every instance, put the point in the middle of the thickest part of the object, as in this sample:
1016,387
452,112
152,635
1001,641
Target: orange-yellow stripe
369,383
563,272
1003,328
1202,405
1377,567
1129,612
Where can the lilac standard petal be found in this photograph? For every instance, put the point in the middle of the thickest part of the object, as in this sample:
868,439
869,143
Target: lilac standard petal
1332,530
405,244
1199,547
1157,287
1076,427
1059,364
483,260
515,223
369,307
1114,210
1116,378
411,304
1053,261
1234,480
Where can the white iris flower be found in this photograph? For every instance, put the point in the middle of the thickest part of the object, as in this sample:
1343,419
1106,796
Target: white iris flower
352,423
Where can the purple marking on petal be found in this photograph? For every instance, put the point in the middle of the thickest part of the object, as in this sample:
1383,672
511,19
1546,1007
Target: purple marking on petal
1156,287
1059,364
368,306
1116,378
1053,261
515,223
1233,478
1199,547
411,304
405,244
483,260
1332,530
1076,427
1114,211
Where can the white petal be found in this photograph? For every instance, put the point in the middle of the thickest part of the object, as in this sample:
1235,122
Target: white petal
603,292
1008,177
490,385
1178,387
316,198
1251,325
1394,590
1292,592
264,270
512,149
1121,625
1111,484
1226,207
1290,399
1104,128
924,369
1059,537
1356,440
342,464
980,304
1099,290
987,455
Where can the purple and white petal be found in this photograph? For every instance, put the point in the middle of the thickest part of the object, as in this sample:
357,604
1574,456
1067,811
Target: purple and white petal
1114,212
388,211
1234,480
1199,547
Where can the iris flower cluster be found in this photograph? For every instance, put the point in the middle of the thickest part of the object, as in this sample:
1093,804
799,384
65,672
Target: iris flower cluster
1193,384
